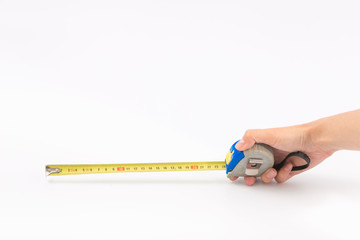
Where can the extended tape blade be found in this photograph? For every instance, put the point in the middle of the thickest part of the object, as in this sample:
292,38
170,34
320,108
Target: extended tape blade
72,169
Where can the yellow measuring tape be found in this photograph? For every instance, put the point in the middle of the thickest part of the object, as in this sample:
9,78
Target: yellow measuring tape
70,169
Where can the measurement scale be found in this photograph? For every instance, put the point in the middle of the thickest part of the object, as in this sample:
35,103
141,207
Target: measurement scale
252,162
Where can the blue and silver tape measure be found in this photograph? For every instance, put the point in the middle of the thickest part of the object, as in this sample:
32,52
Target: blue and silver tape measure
252,162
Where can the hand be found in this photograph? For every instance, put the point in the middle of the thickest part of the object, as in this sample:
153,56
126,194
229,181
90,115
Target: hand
284,141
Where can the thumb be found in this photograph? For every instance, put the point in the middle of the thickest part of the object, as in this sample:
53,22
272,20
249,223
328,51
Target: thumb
255,136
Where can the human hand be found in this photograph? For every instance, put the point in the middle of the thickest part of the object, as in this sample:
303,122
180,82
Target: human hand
284,141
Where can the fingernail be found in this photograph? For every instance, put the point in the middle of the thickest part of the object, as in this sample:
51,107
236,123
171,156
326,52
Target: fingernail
239,144
271,174
288,167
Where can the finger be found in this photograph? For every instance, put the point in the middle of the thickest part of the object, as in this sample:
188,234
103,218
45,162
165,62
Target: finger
255,135
234,178
250,180
269,175
284,173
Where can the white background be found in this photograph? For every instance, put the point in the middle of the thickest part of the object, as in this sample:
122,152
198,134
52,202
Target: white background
159,81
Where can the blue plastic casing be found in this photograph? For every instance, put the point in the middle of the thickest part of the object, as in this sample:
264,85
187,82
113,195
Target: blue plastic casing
233,157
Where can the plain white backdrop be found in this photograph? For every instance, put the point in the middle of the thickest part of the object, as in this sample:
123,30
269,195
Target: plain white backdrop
159,81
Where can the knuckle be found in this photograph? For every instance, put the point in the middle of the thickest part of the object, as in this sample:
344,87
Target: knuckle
280,179
249,133
266,180
263,178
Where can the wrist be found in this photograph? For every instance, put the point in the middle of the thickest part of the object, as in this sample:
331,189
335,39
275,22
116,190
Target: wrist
318,136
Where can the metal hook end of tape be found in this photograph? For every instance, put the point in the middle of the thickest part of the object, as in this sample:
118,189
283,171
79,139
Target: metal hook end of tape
49,170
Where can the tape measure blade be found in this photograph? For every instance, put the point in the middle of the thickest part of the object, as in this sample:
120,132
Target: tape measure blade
72,169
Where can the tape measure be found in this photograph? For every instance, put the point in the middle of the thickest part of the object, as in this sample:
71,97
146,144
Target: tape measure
252,162
57,170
